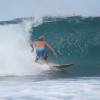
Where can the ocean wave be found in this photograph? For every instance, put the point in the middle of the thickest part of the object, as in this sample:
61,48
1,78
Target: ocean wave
76,39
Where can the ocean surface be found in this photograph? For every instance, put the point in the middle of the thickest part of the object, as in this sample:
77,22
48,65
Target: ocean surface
76,39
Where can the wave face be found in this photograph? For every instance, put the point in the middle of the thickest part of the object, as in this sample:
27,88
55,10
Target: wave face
76,40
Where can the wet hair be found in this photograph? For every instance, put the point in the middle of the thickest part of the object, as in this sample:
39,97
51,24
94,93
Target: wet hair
41,38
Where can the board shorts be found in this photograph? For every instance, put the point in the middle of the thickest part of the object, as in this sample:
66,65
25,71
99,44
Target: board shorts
41,53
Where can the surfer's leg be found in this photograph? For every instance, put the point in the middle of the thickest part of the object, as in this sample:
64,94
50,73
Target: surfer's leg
46,60
45,57
38,53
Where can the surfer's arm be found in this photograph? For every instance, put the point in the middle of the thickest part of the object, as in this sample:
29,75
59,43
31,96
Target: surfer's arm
53,51
32,45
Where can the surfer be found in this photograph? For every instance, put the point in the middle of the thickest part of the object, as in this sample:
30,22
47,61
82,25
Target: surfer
40,45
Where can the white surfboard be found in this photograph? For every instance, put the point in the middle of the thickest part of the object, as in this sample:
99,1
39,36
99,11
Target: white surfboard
60,66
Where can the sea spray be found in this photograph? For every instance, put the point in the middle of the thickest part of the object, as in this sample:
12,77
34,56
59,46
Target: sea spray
15,52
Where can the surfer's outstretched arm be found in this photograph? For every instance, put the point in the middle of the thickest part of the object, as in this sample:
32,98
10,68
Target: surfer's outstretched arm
53,51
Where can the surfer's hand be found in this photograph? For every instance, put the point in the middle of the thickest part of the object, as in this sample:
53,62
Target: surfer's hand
56,56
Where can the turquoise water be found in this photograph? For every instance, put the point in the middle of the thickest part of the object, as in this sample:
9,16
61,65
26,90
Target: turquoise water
76,39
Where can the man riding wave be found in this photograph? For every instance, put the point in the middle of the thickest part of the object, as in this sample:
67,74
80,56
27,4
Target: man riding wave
40,45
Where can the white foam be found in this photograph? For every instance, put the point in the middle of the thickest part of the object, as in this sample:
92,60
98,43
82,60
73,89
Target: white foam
15,53
63,89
